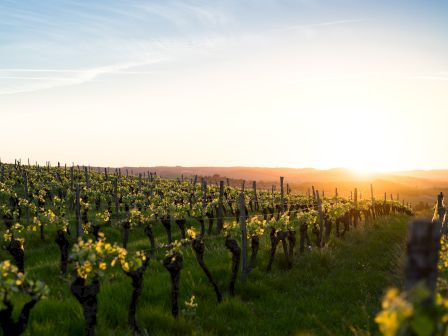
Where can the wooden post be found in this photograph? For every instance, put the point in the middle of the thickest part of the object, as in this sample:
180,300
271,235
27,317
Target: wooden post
321,219
440,206
27,196
72,177
423,254
243,185
220,207
204,193
78,213
314,192
116,194
355,219
86,173
282,195
336,193
254,187
373,202
242,220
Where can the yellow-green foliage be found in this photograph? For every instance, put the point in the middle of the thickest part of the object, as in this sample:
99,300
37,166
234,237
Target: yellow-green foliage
12,281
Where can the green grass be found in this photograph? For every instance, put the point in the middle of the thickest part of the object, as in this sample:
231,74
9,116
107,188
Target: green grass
334,291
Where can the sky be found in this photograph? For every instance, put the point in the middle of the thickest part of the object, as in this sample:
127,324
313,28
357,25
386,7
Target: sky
303,83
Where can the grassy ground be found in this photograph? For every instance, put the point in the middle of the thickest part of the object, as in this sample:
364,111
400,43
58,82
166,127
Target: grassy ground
335,291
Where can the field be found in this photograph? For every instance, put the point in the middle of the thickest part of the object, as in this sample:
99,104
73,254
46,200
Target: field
334,291
338,256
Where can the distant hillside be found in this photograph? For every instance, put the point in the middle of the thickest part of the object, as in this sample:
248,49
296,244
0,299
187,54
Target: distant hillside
254,173
438,175
412,179
412,185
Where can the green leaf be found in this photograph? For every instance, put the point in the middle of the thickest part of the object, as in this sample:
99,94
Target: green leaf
422,326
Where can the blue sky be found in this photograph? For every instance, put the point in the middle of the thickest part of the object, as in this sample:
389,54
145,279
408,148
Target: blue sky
194,64
81,35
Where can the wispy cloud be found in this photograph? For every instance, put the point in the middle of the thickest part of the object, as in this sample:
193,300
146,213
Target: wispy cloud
9,70
91,30
322,24
186,15
62,77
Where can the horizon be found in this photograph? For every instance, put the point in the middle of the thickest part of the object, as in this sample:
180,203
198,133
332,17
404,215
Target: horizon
307,83
347,169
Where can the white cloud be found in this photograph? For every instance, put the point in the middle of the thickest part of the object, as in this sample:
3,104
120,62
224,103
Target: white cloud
60,77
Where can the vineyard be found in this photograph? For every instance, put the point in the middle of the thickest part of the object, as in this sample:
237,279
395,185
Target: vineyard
98,252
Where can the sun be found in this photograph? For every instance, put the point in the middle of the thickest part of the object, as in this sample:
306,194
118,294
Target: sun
377,160
368,168
362,172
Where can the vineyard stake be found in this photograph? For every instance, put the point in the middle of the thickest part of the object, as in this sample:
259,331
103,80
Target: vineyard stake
254,187
220,207
242,220
355,212
321,219
282,195
78,214
423,254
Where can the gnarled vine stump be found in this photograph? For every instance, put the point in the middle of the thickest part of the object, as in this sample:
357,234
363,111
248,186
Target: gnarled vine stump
233,247
64,246
137,284
11,327
87,297
199,249
173,265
